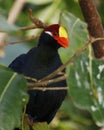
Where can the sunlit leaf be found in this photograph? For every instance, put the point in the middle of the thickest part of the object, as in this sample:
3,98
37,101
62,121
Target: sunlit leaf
86,81
77,32
41,126
40,2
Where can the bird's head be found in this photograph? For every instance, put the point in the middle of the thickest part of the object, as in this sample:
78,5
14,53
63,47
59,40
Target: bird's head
56,34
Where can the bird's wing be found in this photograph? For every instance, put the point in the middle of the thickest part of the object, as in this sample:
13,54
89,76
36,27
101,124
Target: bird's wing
18,63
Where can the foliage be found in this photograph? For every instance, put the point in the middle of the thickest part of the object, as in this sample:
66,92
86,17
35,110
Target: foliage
13,97
84,104
78,34
5,27
87,74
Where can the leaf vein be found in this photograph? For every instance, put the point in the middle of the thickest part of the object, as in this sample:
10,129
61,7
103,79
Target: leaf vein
73,26
6,87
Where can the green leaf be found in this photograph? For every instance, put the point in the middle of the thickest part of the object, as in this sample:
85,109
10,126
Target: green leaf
41,126
40,2
13,97
75,114
86,81
5,27
77,33
11,52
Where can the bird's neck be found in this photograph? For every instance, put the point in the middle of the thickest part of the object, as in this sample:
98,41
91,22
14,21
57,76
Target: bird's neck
47,48
47,52
48,42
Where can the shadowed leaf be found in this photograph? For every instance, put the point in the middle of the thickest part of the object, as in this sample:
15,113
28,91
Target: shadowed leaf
5,27
13,97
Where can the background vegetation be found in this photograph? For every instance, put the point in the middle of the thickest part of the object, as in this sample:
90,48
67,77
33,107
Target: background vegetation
83,107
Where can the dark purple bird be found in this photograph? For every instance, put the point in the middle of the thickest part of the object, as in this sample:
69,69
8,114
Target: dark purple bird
39,62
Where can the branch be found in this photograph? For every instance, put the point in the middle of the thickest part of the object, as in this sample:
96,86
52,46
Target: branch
49,88
21,41
38,24
61,68
36,21
13,14
36,84
40,83
48,79
28,28
77,53
30,78
94,25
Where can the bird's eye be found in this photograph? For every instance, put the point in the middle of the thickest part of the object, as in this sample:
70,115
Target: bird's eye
55,33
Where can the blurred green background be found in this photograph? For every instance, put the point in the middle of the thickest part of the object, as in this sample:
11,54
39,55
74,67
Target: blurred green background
69,117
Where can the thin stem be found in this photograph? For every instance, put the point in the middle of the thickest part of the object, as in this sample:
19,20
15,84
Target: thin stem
28,28
38,23
30,78
97,39
21,41
48,79
56,72
48,88
23,117
13,14
47,82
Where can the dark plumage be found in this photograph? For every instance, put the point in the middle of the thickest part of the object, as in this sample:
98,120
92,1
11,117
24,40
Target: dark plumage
39,62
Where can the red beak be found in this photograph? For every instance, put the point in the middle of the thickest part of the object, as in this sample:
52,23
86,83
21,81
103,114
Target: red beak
64,42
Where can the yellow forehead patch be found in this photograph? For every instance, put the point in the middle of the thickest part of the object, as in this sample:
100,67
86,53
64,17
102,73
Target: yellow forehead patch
62,32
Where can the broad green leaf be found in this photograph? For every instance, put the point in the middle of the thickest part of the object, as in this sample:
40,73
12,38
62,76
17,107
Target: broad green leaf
47,14
86,82
5,27
41,126
13,97
75,114
77,33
